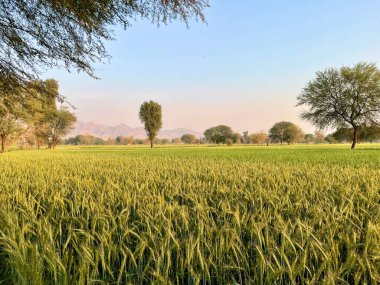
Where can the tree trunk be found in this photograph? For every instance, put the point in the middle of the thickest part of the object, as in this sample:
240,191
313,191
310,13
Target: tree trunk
2,144
151,143
354,138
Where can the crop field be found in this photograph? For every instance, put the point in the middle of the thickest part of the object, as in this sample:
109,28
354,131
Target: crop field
191,215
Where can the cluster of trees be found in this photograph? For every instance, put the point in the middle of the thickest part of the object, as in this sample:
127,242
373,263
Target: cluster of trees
119,140
281,132
35,35
40,34
36,120
364,134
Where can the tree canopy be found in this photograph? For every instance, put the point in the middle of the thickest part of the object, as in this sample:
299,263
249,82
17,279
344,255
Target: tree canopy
188,138
71,33
151,116
219,134
345,97
285,132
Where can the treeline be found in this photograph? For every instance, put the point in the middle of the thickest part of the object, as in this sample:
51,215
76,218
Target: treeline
124,140
37,119
280,133
289,133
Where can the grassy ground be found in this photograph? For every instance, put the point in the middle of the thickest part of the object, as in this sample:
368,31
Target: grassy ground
191,215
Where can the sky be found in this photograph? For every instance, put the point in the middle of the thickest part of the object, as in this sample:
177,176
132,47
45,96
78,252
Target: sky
244,68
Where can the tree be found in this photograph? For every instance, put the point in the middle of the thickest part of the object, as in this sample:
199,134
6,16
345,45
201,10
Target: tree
259,137
9,125
330,139
246,139
370,133
309,138
124,140
342,134
285,132
237,138
219,134
345,97
188,138
176,140
151,115
59,123
39,102
71,33
319,136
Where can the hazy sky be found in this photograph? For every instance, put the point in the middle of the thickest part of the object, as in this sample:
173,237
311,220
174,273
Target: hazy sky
244,68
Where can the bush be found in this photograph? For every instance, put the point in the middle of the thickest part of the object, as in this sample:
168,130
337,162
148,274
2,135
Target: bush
228,142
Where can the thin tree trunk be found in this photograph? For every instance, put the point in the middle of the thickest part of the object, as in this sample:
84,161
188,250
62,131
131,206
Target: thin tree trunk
2,144
354,138
151,143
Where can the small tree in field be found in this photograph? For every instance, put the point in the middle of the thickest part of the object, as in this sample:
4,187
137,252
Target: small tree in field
151,116
309,138
219,134
188,139
59,123
259,137
345,97
286,132
319,136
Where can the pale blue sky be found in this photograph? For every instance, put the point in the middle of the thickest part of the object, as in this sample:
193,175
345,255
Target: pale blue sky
244,68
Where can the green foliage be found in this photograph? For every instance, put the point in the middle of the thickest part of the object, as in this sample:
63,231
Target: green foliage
348,97
309,138
151,116
194,215
188,139
9,125
343,134
71,33
364,133
285,132
219,134
369,133
59,123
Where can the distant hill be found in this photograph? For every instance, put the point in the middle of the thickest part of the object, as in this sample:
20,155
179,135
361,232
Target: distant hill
105,132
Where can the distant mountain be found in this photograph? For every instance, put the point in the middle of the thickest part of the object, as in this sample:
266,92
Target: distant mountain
105,132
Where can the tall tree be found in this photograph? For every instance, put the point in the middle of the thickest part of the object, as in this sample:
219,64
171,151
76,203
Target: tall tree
71,33
285,132
345,97
151,116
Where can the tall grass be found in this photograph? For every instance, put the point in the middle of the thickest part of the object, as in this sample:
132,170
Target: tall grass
190,216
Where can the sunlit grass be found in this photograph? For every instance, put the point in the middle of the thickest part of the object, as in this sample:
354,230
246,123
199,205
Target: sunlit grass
191,215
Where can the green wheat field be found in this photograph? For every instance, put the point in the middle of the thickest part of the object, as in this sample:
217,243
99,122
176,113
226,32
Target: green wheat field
191,215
